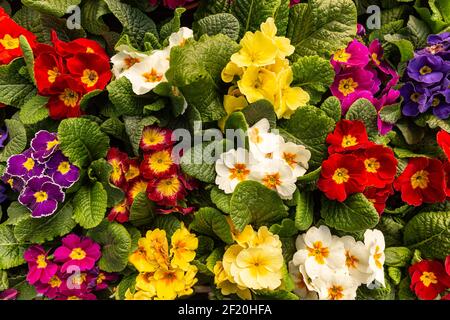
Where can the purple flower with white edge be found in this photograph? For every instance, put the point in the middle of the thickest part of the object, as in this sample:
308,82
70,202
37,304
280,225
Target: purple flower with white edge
82,252
44,145
39,267
3,137
62,172
439,103
16,183
23,165
428,69
41,195
415,99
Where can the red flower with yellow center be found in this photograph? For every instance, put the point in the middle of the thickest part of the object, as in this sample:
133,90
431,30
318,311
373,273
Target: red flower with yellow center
119,162
347,136
380,164
133,170
82,45
158,164
422,181
66,103
48,67
379,196
155,138
120,212
91,70
443,139
428,279
341,176
166,191
136,187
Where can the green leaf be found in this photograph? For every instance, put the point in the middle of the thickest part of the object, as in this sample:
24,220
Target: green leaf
16,212
55,7
381,293
258,110
223,23
116,245
392,231
404,291
212,222
284,229
237,124
395,274
100,170
282,17
419,31
321,27
207,8
85,99
215,256
251,13
17,139
127,282
253,203
205,246
405,47
364,110
15,89
430,233
90,205
173,25
391,114
92,13
168,223
313,74
196,70
221,200
354,214
34,110
45,229
142,210
332,107
82,141
115,128
124,100
11,250
432,17
28,56
134,127
304,212
397,256
26,291
135,22
4,283
310,126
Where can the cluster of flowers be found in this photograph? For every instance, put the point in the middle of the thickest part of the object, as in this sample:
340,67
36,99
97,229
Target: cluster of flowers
146,71
40,174
10,33
164,274
158,175
360,73
263,72
70,273
254,262
332,268
65,72
357,165
427,79
271,161
430,279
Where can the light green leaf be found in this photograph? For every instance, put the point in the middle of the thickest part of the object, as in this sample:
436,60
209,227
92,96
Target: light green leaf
173,25
116,245
212,222
391,114
11,250
142,210
364,110
115,128
404,46
397,256
282,17
4,283
28,56
223,23
321,27
90,205
215,256
253,203
100,170
332,107
419,31
381,293
17,139
395,274
304,212
15,89
55,7
169,223
124,100
221,200
251,13
34,110
16,212
354,214
286,228
92,13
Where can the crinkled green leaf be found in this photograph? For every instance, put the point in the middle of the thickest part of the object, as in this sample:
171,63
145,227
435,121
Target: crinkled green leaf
169,223
397,256
221,200
92,13
125,101
28,56
127,282
134,127
395,274
419,31
55,7
404,291
173,25
391,114
212,222
16,212
332,107
392,230
142,210
34,110
4,283
15,89
364,110
258,110
223,23
304,212
115,128
90,205
381,293
251,13
11,249
17,136
286,228
100,170
405,47
282,17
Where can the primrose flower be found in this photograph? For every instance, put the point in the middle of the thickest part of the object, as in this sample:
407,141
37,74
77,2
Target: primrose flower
78,251
427,69
125,59
62,171
9,294
51,288
295,156
40,268
158,164
137,186
233,167
374,242
415,99
119,162
428,279
24,166
336,286
183,248
283,44
226,284
258,83
167,191
357,259
42,196
355,54
346,83
44,145
263,144
258,50
155,138
179,38
120,212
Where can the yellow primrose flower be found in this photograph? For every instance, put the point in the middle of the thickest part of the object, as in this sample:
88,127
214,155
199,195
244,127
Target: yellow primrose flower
279,65
289,99
183,248
189,281
258,83
169,283
140,258
231,70
146,282
265,238
283,44
158,247
257,50
138,295
233,101
226,285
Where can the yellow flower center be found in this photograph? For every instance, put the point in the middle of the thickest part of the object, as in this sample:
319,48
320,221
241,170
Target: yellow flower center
29,164
420,179
51,144
130,61
255,137
428,278
435,102
40,196
335,292
290,159
64,167
169,277
375,59
89,50
239,172
52,74
11,182
9,43
377,256
271,181
73,298
349,141
101,277
55,282
152,137
41,262
168,187
425,70
415,97
319,252
347,86
89,78
160,161
152,76
350,261
341,176
79,279
132,172
137,188
69,97
372,165
77,254
342,56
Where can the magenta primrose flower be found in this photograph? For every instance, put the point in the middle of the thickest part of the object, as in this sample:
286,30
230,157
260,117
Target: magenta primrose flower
39,267
352,81
82,252
355,55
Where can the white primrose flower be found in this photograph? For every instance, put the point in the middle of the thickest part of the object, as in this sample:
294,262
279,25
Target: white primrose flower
302,284
296,156
319,252
337,285
125,59
146,75
180,37
263,144
276,175
357,259
374,242
233,167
